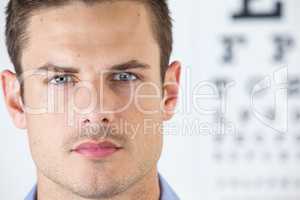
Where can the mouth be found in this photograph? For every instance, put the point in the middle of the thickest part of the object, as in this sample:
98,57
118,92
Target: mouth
96,150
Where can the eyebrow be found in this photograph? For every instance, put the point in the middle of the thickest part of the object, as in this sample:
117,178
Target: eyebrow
132,64
55,68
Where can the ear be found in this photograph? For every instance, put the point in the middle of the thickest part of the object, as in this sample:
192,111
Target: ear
171,89
12,98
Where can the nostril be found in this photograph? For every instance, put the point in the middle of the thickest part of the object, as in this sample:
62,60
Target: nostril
86,121
105,120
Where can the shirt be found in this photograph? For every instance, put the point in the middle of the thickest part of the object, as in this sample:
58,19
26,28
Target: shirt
166,192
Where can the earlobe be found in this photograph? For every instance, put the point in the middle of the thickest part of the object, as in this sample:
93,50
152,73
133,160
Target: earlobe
12,97
171,89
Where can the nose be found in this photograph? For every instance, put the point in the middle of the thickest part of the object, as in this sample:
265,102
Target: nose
104,119
101,102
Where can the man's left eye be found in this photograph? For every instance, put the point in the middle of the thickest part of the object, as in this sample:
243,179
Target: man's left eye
124,76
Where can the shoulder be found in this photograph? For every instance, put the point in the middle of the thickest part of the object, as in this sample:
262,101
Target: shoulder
166,191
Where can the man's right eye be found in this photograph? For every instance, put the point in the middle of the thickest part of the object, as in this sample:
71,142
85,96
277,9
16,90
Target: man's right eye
62,79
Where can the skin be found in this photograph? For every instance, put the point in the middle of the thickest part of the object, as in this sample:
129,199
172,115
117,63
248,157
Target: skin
92,39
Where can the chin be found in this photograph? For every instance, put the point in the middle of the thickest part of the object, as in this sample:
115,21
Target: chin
97,190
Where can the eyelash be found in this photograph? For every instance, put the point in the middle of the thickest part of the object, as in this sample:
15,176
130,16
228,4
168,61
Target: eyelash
128,73
73,78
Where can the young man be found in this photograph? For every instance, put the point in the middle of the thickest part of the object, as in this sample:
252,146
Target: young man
93,85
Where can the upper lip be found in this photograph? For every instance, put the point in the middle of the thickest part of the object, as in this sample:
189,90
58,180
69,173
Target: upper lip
90,143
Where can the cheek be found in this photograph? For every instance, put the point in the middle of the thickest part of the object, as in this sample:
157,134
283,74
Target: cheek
149,141
35,95
145,132
43,99
47,133
148,100
145,116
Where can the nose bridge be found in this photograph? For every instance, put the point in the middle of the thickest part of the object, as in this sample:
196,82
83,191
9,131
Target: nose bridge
102,102
106,98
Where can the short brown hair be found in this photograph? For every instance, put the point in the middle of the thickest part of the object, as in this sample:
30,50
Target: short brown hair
18,13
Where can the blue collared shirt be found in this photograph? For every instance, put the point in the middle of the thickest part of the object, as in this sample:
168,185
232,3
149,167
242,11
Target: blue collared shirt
166,192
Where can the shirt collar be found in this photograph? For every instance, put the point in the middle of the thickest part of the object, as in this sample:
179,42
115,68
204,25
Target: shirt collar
166,192
32,194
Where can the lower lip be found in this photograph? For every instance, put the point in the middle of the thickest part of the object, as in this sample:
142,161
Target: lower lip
96,153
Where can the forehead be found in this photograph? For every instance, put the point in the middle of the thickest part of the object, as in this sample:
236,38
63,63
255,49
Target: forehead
97,34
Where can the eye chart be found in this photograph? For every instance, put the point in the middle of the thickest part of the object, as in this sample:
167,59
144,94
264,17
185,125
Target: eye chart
238,121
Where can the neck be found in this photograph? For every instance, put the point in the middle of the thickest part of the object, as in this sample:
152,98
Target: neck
147,188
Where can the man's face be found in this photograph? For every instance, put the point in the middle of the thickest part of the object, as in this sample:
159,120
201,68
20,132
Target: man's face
89,96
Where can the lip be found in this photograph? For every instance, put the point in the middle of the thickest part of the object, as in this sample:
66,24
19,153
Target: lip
96,149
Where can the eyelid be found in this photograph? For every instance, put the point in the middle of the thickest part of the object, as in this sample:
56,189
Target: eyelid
52,77
138,77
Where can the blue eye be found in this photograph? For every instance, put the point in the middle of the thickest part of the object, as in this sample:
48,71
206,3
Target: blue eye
61,79
124,76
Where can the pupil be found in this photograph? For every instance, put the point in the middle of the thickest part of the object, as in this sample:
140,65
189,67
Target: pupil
60,78
124,76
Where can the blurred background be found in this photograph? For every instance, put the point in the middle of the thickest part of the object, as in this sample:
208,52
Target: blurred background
236,133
